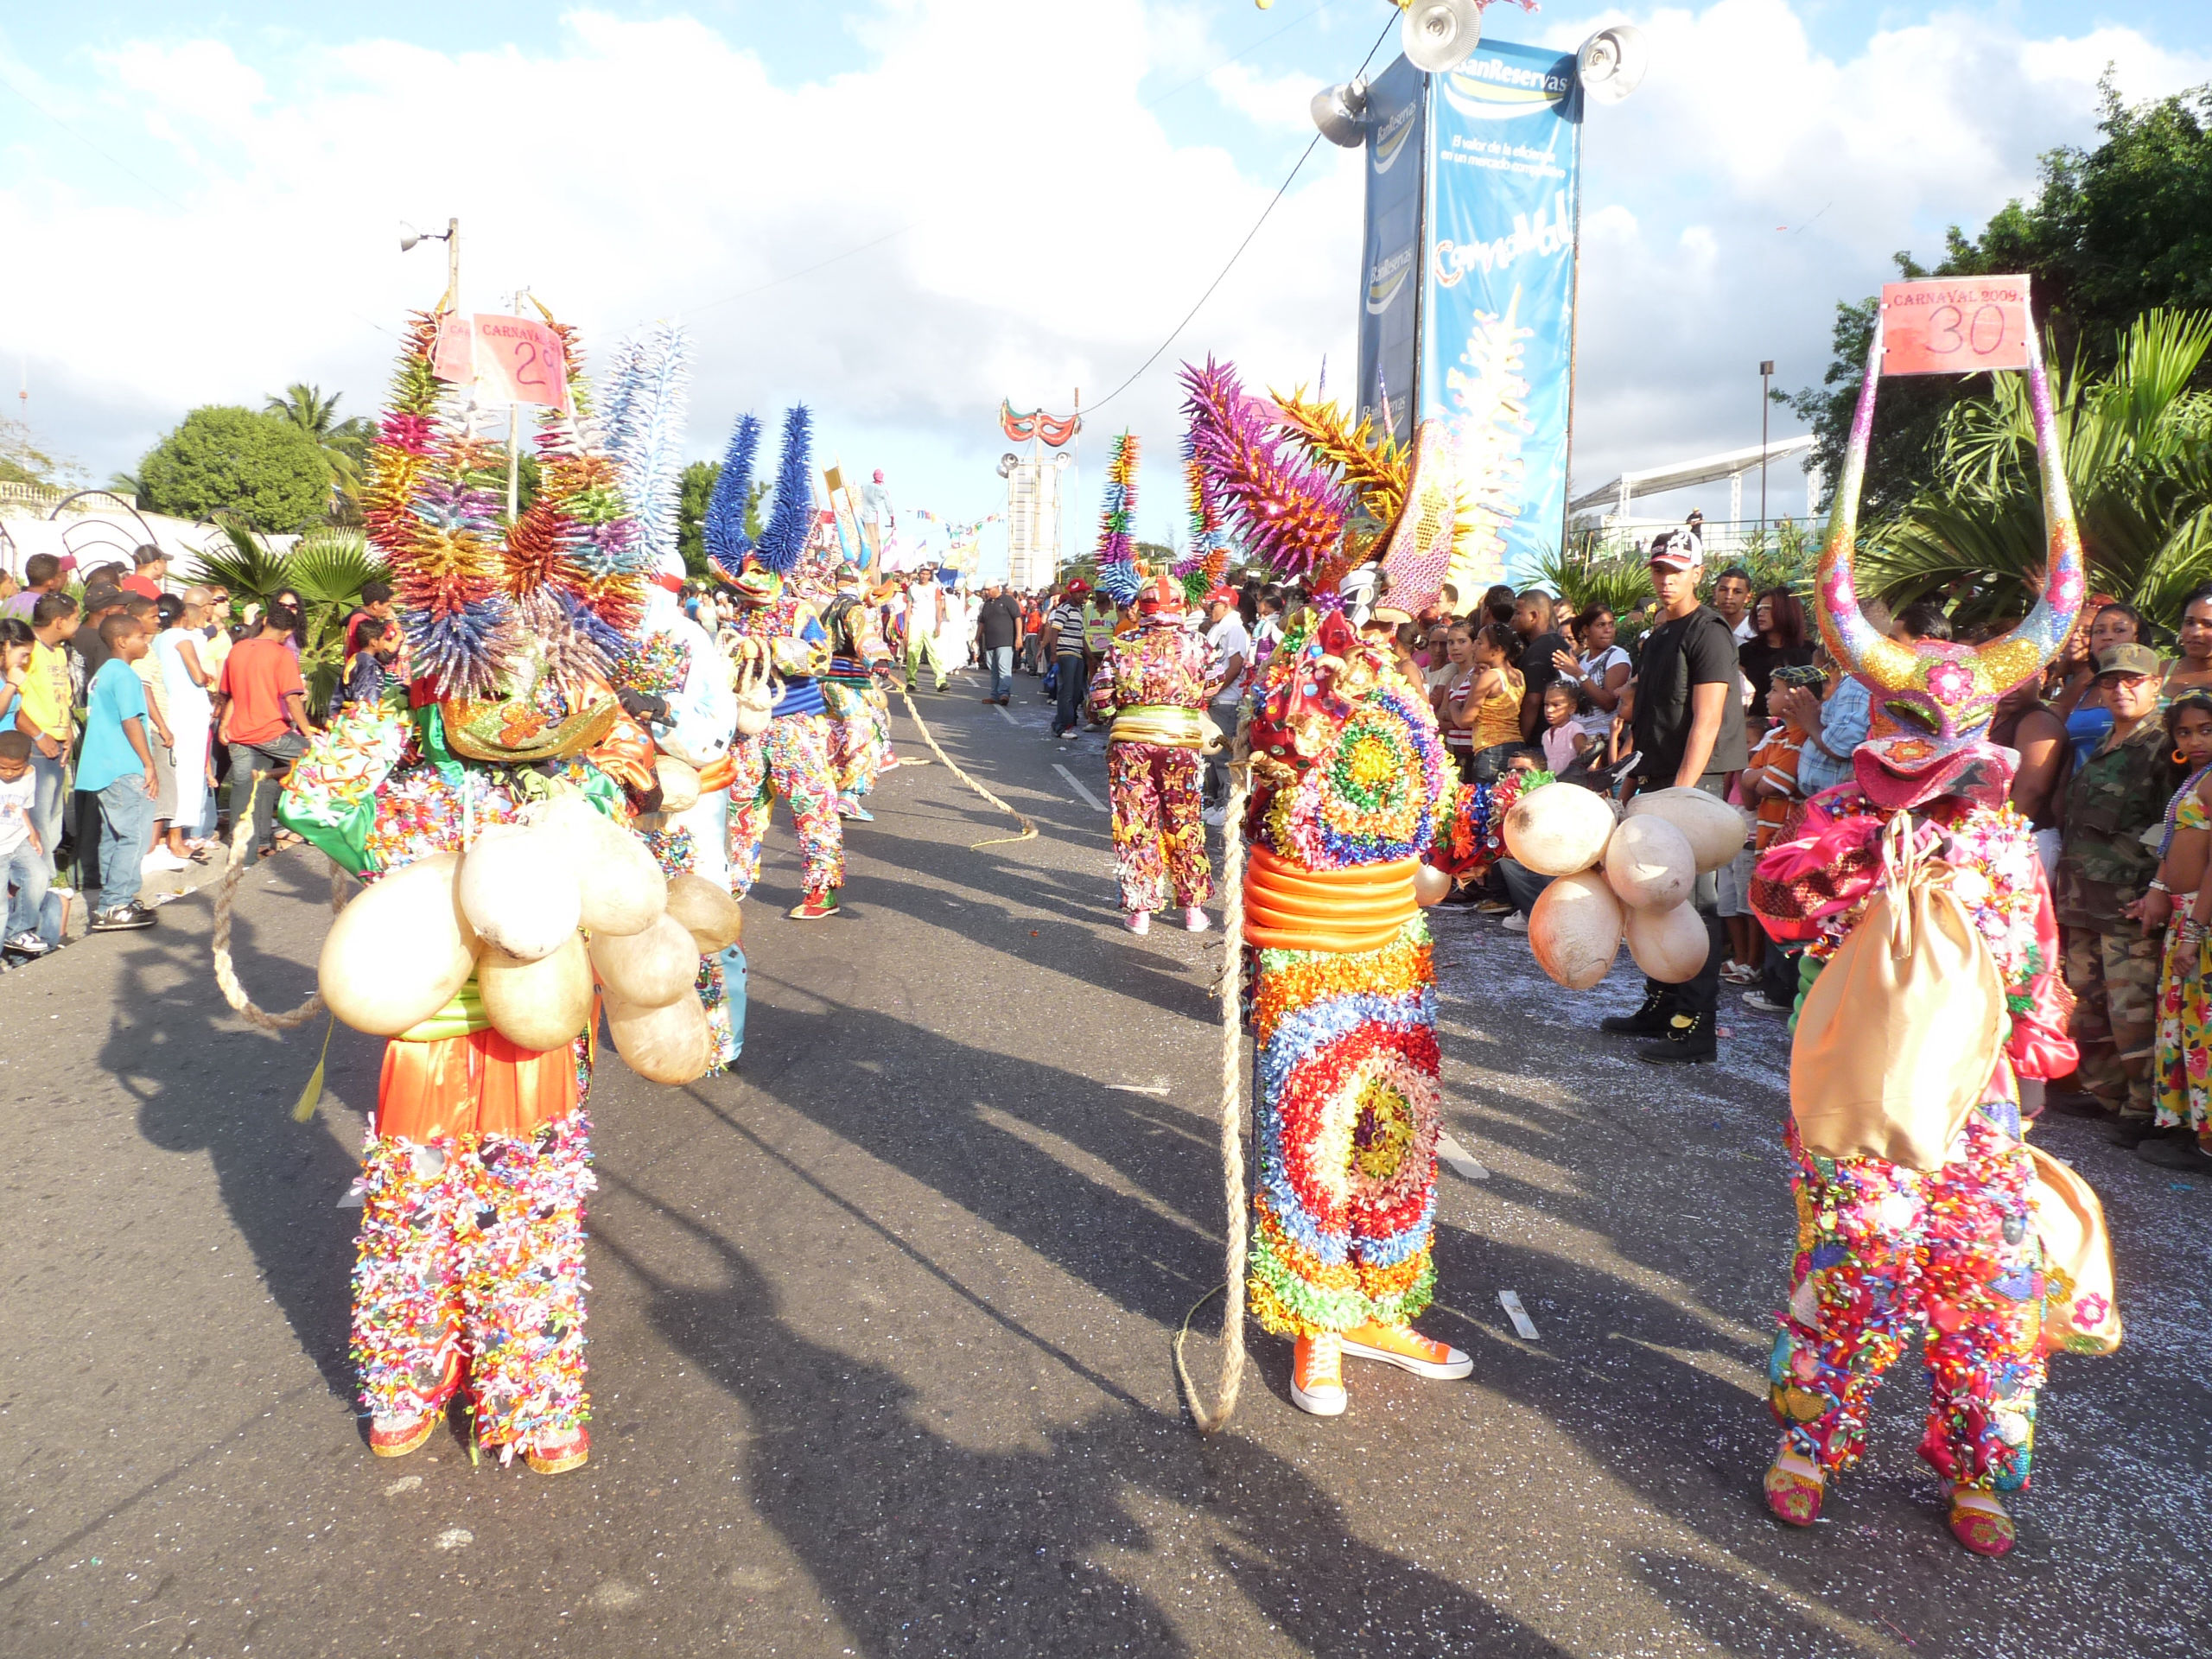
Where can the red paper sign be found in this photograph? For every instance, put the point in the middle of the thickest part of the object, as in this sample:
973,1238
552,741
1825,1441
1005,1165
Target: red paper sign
507,359
1955,325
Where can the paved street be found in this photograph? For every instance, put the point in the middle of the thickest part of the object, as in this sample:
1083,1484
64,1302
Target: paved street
881,1324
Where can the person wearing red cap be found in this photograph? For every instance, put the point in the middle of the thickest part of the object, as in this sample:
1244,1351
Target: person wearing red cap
1229,649
1152,686
1063,644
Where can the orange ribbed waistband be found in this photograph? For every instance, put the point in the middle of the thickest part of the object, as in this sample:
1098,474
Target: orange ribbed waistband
1287,907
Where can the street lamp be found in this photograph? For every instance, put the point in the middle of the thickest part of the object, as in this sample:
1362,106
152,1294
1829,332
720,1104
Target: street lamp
1766,378
409,236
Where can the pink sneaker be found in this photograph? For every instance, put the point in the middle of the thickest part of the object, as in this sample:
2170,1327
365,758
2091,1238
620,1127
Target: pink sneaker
1194,920
1138,922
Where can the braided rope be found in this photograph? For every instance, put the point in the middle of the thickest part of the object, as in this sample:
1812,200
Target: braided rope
1231,990
1028,825
226,895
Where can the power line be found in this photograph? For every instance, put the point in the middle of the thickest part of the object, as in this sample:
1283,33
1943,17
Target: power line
1303,157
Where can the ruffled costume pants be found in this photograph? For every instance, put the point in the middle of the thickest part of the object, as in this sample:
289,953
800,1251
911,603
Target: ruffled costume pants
471,1253
859,739
1160,841
1882,1251
1347,1071
791,759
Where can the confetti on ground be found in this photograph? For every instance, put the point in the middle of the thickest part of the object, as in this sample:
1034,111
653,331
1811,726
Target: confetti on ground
455,1538
405,1484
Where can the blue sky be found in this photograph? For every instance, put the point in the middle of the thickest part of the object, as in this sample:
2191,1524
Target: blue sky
203,204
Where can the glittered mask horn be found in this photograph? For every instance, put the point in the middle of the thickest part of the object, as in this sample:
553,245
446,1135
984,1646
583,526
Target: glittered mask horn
1933,697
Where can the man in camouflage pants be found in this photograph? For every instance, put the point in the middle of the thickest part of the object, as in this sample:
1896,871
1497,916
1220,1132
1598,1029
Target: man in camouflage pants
2104,866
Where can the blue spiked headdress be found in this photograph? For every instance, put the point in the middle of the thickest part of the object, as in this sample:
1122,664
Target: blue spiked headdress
727,543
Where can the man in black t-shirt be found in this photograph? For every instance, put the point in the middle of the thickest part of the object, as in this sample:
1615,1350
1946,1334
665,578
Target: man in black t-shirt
1536,622
1688,723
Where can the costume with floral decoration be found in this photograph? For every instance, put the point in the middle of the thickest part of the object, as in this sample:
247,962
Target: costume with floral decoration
1152,684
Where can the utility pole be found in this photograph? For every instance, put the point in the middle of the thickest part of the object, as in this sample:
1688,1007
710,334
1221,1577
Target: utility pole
453,265
1766,378
514,433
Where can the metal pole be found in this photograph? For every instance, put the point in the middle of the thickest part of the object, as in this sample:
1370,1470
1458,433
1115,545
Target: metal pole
1766,375
1575,340
514,443
453,264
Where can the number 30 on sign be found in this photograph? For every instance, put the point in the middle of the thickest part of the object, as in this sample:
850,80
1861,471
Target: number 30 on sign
1955,324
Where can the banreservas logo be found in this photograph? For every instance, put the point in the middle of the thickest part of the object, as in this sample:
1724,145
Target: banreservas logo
1493,89
1391,137
1386,279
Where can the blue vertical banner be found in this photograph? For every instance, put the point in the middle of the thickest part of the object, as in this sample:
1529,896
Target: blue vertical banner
1498,291
1389,285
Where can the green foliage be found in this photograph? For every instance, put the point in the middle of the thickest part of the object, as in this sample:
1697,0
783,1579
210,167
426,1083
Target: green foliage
2137,443
263,471
697,488
1619,582
2111,232
22,462
327,569
344,445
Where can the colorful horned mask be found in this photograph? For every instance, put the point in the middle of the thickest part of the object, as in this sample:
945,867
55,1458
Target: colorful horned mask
1931,702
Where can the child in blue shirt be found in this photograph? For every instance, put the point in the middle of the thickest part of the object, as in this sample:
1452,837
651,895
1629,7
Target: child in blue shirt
116,764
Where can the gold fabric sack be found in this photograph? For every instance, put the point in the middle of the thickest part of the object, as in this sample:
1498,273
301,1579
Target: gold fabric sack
2081,1308
1900,1033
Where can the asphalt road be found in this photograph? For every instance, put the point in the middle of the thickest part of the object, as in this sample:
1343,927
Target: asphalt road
881,1323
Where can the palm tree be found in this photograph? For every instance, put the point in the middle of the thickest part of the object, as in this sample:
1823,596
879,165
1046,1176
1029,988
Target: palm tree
2138,447
327,569
345,444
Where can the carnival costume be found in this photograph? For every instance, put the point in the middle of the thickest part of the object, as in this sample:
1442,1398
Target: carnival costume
791,757
1946,1235
1350,786
1152,686
860,721
469,1280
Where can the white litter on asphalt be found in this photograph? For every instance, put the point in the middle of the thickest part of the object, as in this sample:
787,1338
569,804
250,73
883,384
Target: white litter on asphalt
1510,1301
356,1196
1460,1158
1137,1088
1076,784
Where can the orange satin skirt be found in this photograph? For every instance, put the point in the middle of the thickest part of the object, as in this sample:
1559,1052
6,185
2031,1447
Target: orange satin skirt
1287,907
477,1085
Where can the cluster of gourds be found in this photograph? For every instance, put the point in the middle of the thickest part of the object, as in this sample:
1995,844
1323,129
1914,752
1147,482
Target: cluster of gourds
542,915
1630,875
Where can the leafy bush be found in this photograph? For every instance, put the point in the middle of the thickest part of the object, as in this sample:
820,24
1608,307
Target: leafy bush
222,462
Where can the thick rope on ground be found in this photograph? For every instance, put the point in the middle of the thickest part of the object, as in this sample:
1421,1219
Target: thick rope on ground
1231,989
225,896
1028,825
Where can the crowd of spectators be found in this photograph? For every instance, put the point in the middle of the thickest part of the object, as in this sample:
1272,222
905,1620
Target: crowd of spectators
138,720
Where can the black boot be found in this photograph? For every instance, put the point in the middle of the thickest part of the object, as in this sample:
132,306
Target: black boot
1689,1041
2175,1152
2130,1131
1650,1021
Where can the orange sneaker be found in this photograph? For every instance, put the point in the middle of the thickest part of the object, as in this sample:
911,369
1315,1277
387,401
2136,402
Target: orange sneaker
558,1456
1317,1376
1407,1349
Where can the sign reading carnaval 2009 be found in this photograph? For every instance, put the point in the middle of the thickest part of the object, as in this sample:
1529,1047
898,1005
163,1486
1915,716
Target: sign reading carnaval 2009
1468,288
1498,319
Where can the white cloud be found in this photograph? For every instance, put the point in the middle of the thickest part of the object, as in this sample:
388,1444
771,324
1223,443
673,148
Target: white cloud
1049,230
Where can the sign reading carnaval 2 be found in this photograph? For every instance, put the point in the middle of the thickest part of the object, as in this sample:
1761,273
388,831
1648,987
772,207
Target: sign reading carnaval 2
1498,277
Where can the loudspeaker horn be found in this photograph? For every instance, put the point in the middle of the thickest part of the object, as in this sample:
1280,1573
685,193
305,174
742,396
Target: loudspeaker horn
1611,63
1438,34
1341,113
1006,464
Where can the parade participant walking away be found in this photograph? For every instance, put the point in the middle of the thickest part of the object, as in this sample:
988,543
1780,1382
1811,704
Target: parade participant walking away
1689,734
1153,687
2179,905
1229,653
1064,623
791,759
2104,870
1922,897
859,725
117,767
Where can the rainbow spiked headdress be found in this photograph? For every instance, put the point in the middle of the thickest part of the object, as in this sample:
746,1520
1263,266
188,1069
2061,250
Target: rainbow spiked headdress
1931,703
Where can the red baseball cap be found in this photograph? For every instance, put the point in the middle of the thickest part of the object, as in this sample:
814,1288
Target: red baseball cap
1222,596
1078,586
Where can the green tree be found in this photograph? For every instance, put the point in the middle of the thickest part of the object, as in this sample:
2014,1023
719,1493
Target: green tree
262,470
2112,231
344,444
695,489
2137,443
22,462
